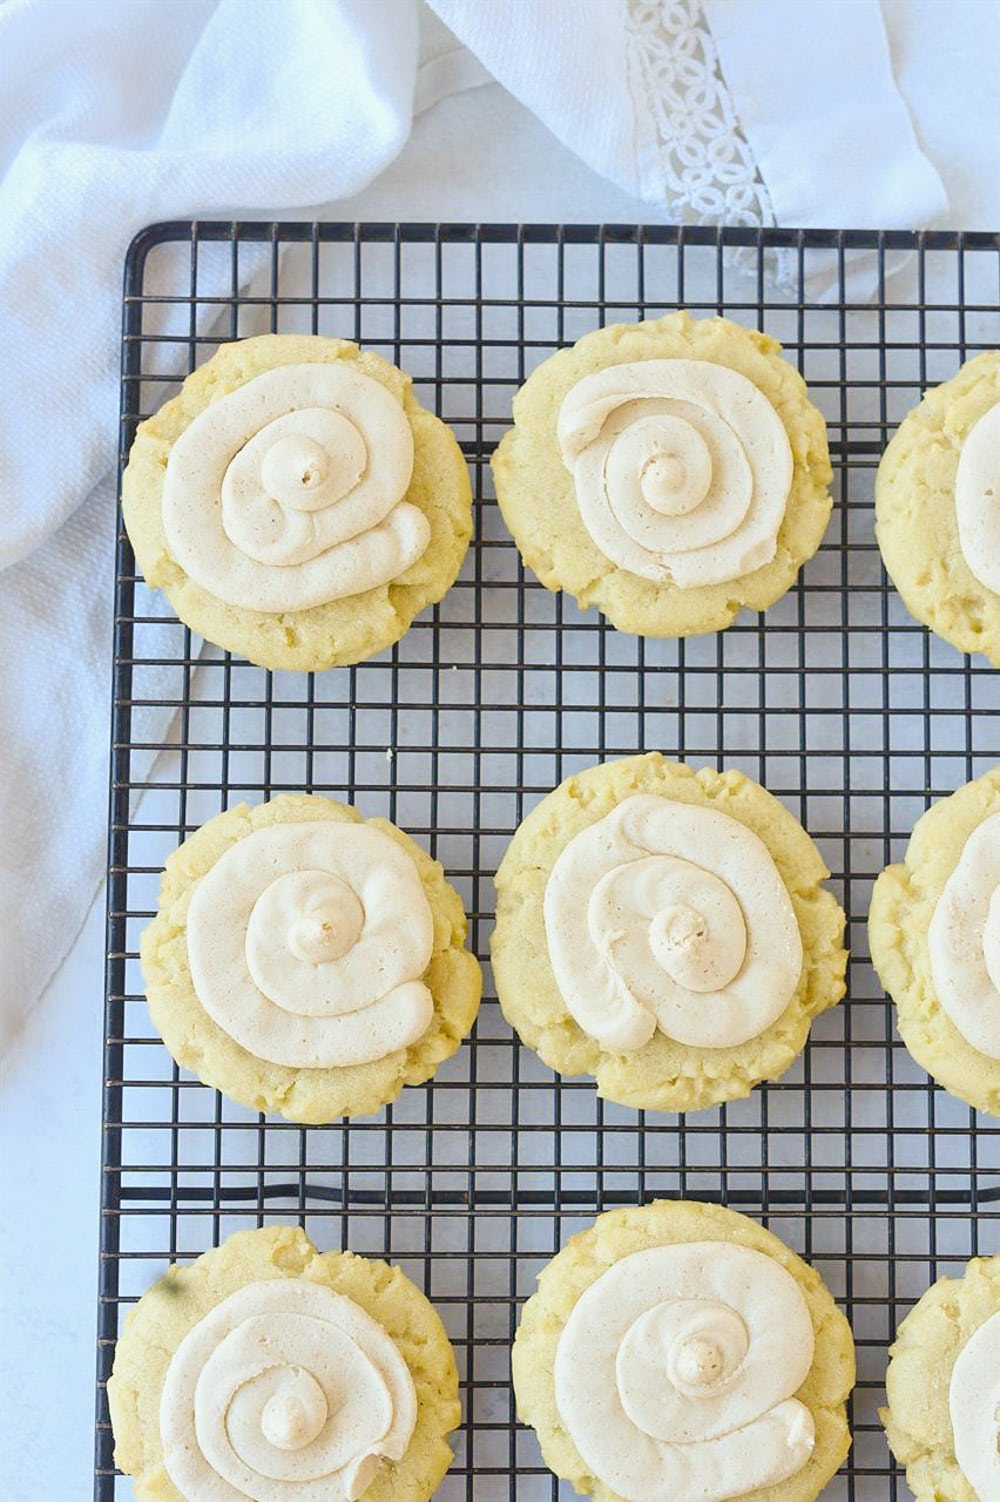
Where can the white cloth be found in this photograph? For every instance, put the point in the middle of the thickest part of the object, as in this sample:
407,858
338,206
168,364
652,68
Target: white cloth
121,112
823,149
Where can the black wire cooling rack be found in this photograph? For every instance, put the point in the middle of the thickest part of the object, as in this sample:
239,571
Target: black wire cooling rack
846,709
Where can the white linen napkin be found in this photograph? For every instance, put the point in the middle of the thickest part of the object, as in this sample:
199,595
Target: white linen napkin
122,112
825,148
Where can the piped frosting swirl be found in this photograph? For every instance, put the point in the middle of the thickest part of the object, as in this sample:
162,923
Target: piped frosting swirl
288,492
670,915
977,499
964,940
284,1390
682,469
974,1405
676,1372
308,942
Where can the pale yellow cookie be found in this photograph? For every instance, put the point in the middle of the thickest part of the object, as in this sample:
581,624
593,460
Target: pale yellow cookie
903,903
344,630
918,1419
185,1295
537,494
304,1094
915,519
663,1074
620,1233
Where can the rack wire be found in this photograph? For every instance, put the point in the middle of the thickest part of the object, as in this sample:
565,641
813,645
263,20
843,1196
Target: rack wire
854,716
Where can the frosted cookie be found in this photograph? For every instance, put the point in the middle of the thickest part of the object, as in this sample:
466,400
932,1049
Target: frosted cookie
307,961
665,931
296,504
934,932
268,1371
943,1387
679,1351
937,508
668,472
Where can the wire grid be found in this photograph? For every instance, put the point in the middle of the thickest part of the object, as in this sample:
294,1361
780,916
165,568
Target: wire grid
838,702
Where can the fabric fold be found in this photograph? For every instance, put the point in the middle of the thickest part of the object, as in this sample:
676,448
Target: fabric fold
841,148
567,64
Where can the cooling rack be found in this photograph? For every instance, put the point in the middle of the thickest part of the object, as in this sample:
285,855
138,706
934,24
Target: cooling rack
849,712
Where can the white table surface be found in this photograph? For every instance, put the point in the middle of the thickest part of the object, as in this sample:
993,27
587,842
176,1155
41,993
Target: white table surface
478,156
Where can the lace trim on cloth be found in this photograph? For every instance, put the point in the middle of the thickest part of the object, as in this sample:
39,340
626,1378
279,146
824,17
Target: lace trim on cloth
692,153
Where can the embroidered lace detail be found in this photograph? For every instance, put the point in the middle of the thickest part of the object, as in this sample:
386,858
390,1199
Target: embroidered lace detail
699,162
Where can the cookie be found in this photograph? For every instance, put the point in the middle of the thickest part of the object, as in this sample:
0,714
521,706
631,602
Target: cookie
937,508
934,932
307,961
665,931
296,504
678,1350
943,1387
668,473
268,1370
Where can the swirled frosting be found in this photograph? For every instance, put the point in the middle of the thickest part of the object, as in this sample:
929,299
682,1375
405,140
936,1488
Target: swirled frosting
668,915
977,499
288,492
973,1399
682,469
974,1402
964,940
286,1390
307,943
676,1372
